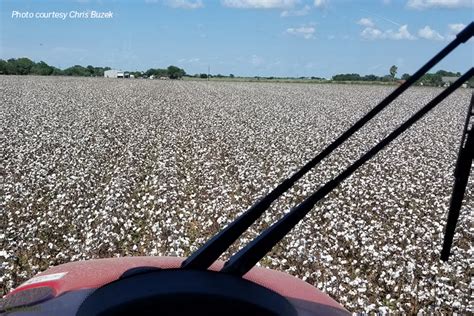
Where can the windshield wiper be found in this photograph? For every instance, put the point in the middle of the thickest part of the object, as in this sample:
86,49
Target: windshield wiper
247,257
461,176
213,248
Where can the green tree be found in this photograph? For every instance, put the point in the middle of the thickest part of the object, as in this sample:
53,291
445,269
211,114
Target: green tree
24,65
393,71
57,72
136,74
156,72
11,67
444,73
20,66
175,72
91,70
347,77
3,67
42,69
76,70
405,76
371,78
431,80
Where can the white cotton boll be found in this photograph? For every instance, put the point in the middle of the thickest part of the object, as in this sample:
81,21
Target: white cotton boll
134,166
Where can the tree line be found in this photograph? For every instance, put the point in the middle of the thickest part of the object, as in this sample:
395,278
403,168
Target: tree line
25,66
429,79
171,72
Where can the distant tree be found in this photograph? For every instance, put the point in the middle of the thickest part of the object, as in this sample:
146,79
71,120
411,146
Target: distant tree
90,69
57,72
99,71
405,76
393,71
76,70
444,73
157,72
431,80
203,76
347,77
231,76
11,67
41,69
175,72
150,72
20,66
136,74
371,78
25,66
3,67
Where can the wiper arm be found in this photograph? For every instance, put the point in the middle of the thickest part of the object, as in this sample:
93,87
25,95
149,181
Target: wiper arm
461,176
247,257
213,248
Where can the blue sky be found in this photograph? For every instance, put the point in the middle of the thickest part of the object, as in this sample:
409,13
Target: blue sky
243,37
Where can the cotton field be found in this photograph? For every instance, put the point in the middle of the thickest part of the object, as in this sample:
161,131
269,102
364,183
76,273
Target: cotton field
94,168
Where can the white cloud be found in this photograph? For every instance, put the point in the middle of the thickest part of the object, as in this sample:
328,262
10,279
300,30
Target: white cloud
321,3
430,34
300,12
259,4
373,33
307,32
456,28
453,30
450,4
256,60
190,60
402,33
366,22
185,4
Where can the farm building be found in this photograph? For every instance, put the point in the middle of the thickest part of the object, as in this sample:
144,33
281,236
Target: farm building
116,74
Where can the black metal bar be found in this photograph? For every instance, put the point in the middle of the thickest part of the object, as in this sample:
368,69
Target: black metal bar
461,177
247,257
213,248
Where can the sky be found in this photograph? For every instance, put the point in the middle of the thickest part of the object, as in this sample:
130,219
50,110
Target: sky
284,38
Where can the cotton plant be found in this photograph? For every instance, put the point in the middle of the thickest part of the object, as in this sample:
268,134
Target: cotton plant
95,168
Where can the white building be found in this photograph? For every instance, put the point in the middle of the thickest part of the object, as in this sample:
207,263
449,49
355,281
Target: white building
116,74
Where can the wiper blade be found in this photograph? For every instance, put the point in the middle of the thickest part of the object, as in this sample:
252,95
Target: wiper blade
461,176
213,248
247,257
